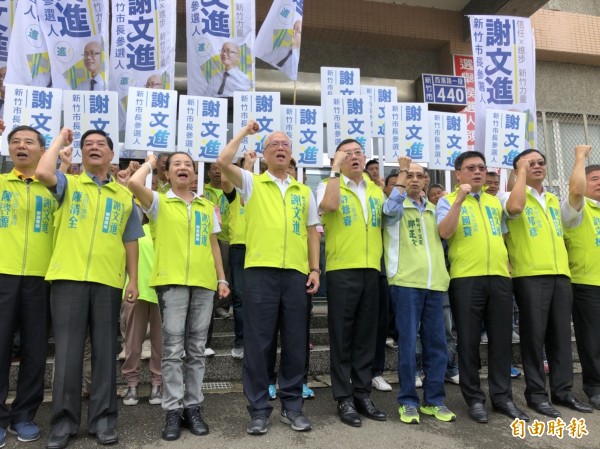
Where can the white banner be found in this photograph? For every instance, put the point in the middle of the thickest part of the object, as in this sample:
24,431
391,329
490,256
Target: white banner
278,41
406,131
504,59
339,81
151,119
504,137
27,52
91,110
76,35
7,14
304,127
202,127
37,107
262,107
448,139
348,118
142,47
220,43
380,95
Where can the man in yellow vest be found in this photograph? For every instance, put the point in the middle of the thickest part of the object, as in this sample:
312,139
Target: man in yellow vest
281,267
541,279
480,286
95,243
26,230
581,219
418,279
351,205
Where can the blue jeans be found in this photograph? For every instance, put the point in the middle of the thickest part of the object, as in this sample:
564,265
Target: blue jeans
411,307
185,313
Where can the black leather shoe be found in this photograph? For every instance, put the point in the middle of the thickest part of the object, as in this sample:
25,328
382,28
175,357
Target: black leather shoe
478,413
58,441
348,414
367,408
574,404
107,436
173,420
192,419
544,408
511,410
595,401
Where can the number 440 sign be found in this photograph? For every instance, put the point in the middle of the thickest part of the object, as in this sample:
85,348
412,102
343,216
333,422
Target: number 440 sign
444,90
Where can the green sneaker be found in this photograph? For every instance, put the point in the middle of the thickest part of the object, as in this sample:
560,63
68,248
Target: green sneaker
408,414
439,412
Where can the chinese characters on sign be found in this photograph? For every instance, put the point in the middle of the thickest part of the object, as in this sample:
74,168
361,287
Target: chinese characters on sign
576,428
151,119
262,107
304,127
406,131
379,95
339,81
348,118
463,66
202,127
444,89
505,137
447,138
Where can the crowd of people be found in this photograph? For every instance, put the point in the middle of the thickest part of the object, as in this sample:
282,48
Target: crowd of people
90,248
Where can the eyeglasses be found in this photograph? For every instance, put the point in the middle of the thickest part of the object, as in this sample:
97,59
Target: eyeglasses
419,176
91,54
541,163
229,52
474,168
283,144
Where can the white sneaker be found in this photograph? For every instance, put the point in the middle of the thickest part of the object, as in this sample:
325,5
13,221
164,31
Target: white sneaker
209,352
515,337
379,383
155,395
484,338
418,382
121,355
390,343
131,398
452,379
237,353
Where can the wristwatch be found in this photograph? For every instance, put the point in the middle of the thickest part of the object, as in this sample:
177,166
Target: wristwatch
334,174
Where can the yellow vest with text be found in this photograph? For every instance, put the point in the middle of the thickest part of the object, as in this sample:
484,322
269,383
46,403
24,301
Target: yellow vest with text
414,255
477,247
349,241
217,197
237,221
182,250
276,234
90,222
583,246
535,240
26,226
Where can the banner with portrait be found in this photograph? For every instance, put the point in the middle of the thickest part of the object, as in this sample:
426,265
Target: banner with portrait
220,47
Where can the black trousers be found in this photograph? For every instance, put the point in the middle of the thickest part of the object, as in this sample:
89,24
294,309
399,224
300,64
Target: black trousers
545,319
352,297
23,306
75,307
382,327
274,297
586,320
486,299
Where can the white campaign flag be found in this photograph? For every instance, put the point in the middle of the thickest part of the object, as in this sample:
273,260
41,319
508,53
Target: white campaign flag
348,118
76,34
278,41
28,60
304,126
504,137
262,107
7,14
406,131
142,50
220,47
447,137
504,69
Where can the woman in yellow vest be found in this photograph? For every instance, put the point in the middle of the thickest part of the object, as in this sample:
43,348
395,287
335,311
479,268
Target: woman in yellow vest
187,270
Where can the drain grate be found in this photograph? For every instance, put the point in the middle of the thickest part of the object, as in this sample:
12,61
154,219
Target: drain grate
216,386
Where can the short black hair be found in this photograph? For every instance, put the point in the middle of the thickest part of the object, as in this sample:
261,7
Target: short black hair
467,155
347,141
371,162
168,163
434,186
390,176
40,137
96,131
591,168
492,173
525,153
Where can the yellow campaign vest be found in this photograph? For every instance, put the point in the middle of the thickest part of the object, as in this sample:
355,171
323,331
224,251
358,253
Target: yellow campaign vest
217,197
182,251
90,222
349,241
414,255
145,264
535,240
26,226
477,247
237,221
583,246
276,234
